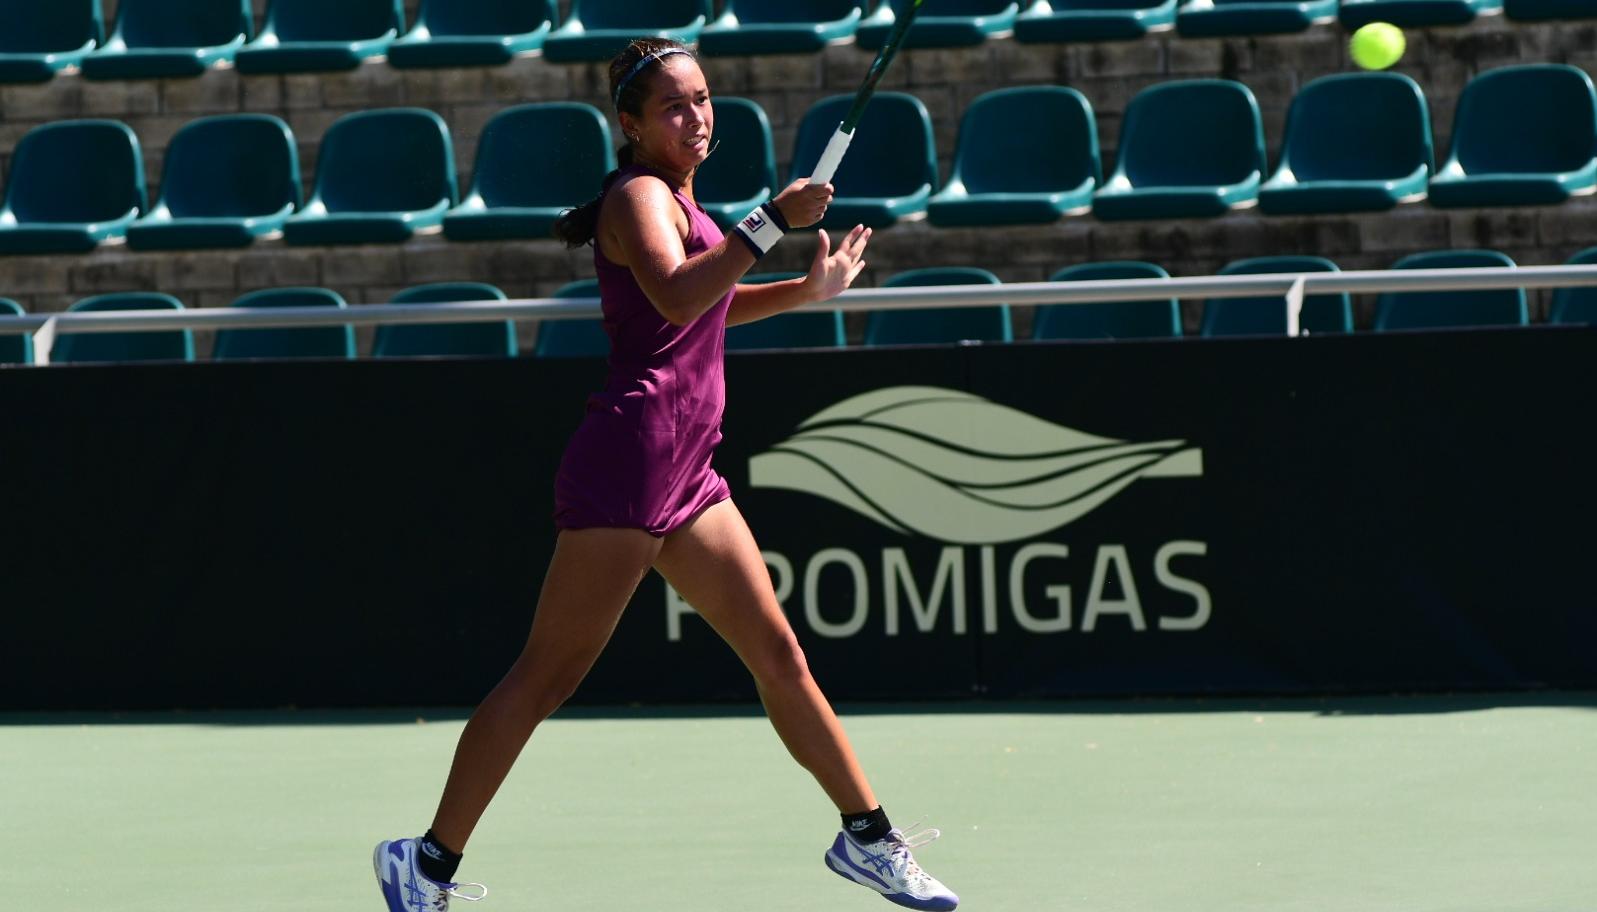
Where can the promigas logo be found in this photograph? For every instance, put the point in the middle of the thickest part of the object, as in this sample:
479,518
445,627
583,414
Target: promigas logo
948,466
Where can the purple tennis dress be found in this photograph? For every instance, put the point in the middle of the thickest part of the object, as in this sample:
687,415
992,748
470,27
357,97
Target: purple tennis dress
641,458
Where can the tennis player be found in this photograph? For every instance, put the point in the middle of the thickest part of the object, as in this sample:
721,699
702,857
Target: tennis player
636,489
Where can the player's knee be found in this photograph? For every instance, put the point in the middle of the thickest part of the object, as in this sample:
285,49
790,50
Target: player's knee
782,662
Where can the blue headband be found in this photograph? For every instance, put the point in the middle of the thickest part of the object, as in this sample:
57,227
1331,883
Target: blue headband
638,67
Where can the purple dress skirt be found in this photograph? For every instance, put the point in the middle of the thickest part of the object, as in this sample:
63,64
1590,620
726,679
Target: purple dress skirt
641,457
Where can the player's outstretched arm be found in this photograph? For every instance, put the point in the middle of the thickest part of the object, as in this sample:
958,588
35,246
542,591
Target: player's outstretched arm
831,273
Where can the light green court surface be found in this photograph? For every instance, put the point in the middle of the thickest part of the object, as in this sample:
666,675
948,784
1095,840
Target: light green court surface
1420,805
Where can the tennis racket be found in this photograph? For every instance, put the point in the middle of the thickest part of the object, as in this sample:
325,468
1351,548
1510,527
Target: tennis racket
832,156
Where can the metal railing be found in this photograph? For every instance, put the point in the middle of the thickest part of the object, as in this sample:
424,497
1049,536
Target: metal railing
1294,287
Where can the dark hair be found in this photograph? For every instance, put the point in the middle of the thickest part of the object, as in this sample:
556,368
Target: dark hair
629,88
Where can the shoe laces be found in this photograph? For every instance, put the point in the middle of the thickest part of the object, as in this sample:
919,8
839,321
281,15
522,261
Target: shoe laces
903,841
440,899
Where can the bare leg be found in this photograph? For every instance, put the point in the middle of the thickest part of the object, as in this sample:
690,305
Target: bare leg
715,564
591,578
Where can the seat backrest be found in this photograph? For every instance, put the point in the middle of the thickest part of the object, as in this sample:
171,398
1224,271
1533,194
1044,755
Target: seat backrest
33,27
398,159
939,325
775,11
744,163
1538,117
807,328
1060,6
573,338
1056,150
231,165
548,154
1192,132
485,340
1578,304
1160,318
931,8
182,23
15,348
160,345
1437,309
1322,313
1358,126
630,14
76,171
892,153
294,342
345,20
485,17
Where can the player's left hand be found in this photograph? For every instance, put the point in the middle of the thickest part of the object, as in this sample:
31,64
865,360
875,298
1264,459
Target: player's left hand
833,271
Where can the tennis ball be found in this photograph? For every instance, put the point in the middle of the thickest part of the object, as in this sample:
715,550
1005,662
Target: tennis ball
1377,45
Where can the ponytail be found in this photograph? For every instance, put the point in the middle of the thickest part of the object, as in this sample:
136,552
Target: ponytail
578,227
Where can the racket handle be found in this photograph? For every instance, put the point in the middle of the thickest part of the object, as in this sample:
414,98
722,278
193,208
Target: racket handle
831,157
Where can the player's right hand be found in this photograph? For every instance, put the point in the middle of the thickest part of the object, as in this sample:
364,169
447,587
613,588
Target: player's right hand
803,205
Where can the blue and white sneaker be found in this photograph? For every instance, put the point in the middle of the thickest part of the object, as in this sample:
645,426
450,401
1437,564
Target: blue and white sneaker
887,867
406,888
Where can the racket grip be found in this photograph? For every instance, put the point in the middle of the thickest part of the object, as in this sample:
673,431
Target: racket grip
831,157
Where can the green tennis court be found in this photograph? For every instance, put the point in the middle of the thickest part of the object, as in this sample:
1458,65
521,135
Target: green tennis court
1425,803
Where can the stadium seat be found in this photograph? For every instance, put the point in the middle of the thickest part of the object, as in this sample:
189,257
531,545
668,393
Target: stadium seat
228,180
38,40
158,38
381,176
599,29
72,185
534,161
939,325
455,340
1155,319
891,167
1415,13
742,172
305,36
1355,142
158,345
1058,21
940,23
15,348
573,338
1536,10
1222,18
1522,135
1578,304
780,26
1440,309
294,342
456,33
1322,313
1005,176
805,328
1188,148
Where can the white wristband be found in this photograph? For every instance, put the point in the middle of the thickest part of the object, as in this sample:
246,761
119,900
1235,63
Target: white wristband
760,229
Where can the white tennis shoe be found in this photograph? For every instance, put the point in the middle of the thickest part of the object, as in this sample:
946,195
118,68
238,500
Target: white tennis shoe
888,867
406,888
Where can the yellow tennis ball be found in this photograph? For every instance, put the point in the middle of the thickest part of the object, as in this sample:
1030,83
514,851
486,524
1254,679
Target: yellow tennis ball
1377,45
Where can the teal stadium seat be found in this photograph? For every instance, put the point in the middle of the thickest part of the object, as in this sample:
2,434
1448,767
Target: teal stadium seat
1522,135
1156,319
1355,142
381,177
450,340
940,325
1414,13
940,23
1058,21
573,338
780,26
1188,148
15,348
534,161
1222,18
1322,313
1579,304
40,39
157,345
600,29
73,184
459,33
1539,10
1007,176
1442,309
153,39
228,180
307,36
295,342
804,328
742,172
890,170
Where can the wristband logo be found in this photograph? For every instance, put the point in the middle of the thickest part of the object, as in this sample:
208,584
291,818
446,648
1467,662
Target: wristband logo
755,221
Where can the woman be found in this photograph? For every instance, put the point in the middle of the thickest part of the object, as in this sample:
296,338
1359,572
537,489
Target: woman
636,490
